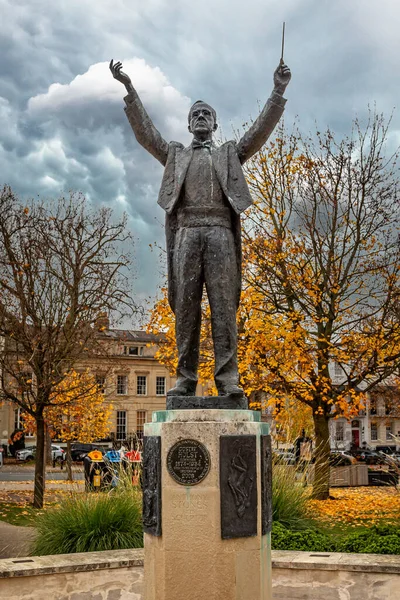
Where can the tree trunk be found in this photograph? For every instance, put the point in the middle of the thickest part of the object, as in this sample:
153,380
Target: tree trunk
322,451
48,453
69,461
39,485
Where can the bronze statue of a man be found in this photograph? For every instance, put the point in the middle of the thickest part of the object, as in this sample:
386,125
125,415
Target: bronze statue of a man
203,193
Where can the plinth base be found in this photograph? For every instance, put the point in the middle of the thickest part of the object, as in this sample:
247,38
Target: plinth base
191,560
231,402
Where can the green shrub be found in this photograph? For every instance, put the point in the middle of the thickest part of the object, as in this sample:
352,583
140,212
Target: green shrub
289,497
308,540
379,539
91,522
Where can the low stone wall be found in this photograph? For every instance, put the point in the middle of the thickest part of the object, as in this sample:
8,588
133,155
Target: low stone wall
334,576
118,575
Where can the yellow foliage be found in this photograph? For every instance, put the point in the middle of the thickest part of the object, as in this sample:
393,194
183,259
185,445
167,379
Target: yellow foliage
78,411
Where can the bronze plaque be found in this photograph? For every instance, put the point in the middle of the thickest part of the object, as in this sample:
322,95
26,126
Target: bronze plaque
188,462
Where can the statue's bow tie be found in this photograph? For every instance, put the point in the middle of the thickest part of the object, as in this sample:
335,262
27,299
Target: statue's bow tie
197,144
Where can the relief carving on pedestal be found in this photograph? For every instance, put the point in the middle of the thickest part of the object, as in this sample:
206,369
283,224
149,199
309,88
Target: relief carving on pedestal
151,481
266,483
238,485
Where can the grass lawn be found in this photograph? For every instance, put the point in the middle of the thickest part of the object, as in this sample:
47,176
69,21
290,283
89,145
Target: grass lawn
17,514
16,506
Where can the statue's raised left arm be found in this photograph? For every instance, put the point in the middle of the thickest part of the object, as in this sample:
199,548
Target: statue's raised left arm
263,126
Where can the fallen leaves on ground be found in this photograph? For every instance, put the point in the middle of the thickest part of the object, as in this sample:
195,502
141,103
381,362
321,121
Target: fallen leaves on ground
363,506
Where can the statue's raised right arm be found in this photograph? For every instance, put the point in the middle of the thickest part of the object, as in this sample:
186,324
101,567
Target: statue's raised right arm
263,126
146,133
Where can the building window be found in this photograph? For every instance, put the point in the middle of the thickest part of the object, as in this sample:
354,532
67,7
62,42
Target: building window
339,431
338,371
160,386
389,435
374,432
372,407
24,382
101,383
133,350
140,421
19,421
141,385
121,424
122,384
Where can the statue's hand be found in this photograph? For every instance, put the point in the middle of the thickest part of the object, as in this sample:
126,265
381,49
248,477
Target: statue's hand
282,77
118,74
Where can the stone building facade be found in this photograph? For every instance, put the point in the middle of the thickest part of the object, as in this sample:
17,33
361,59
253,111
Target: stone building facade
375,427
132,380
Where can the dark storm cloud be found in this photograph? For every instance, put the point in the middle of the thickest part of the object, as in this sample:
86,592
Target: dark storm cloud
63,125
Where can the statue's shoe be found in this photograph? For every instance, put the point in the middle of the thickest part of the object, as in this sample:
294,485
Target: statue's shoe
230,390
181,390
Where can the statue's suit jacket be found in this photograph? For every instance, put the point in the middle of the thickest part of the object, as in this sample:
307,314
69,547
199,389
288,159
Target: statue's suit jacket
227,160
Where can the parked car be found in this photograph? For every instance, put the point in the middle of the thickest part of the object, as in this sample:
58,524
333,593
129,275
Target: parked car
369,457
386,449
57,453
341,459
393,460
27,453
79,450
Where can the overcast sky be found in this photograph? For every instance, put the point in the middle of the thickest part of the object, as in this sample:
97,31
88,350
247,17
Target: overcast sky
63,125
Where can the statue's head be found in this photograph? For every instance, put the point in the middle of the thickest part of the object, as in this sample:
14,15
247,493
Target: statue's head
202,119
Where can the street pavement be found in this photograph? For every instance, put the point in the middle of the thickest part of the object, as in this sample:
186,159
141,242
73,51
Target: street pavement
20,477
15,541
30,475
13,471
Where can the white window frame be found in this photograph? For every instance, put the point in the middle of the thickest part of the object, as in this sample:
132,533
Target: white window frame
121,424
374,432
139,385
133,350
19,422
339,431
160,378
101,383
338,370
122,385
140,422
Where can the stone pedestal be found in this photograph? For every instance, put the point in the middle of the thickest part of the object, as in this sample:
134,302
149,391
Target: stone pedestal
191,554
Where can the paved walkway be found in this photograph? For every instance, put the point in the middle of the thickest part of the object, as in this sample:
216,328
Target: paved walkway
15,541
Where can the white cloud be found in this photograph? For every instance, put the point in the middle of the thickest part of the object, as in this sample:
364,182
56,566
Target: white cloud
96,87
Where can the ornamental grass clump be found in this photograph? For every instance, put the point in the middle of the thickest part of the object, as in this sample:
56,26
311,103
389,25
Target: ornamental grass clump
90,523
290,495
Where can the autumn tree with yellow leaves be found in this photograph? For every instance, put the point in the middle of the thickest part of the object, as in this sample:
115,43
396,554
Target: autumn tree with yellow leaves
320,275
79,411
